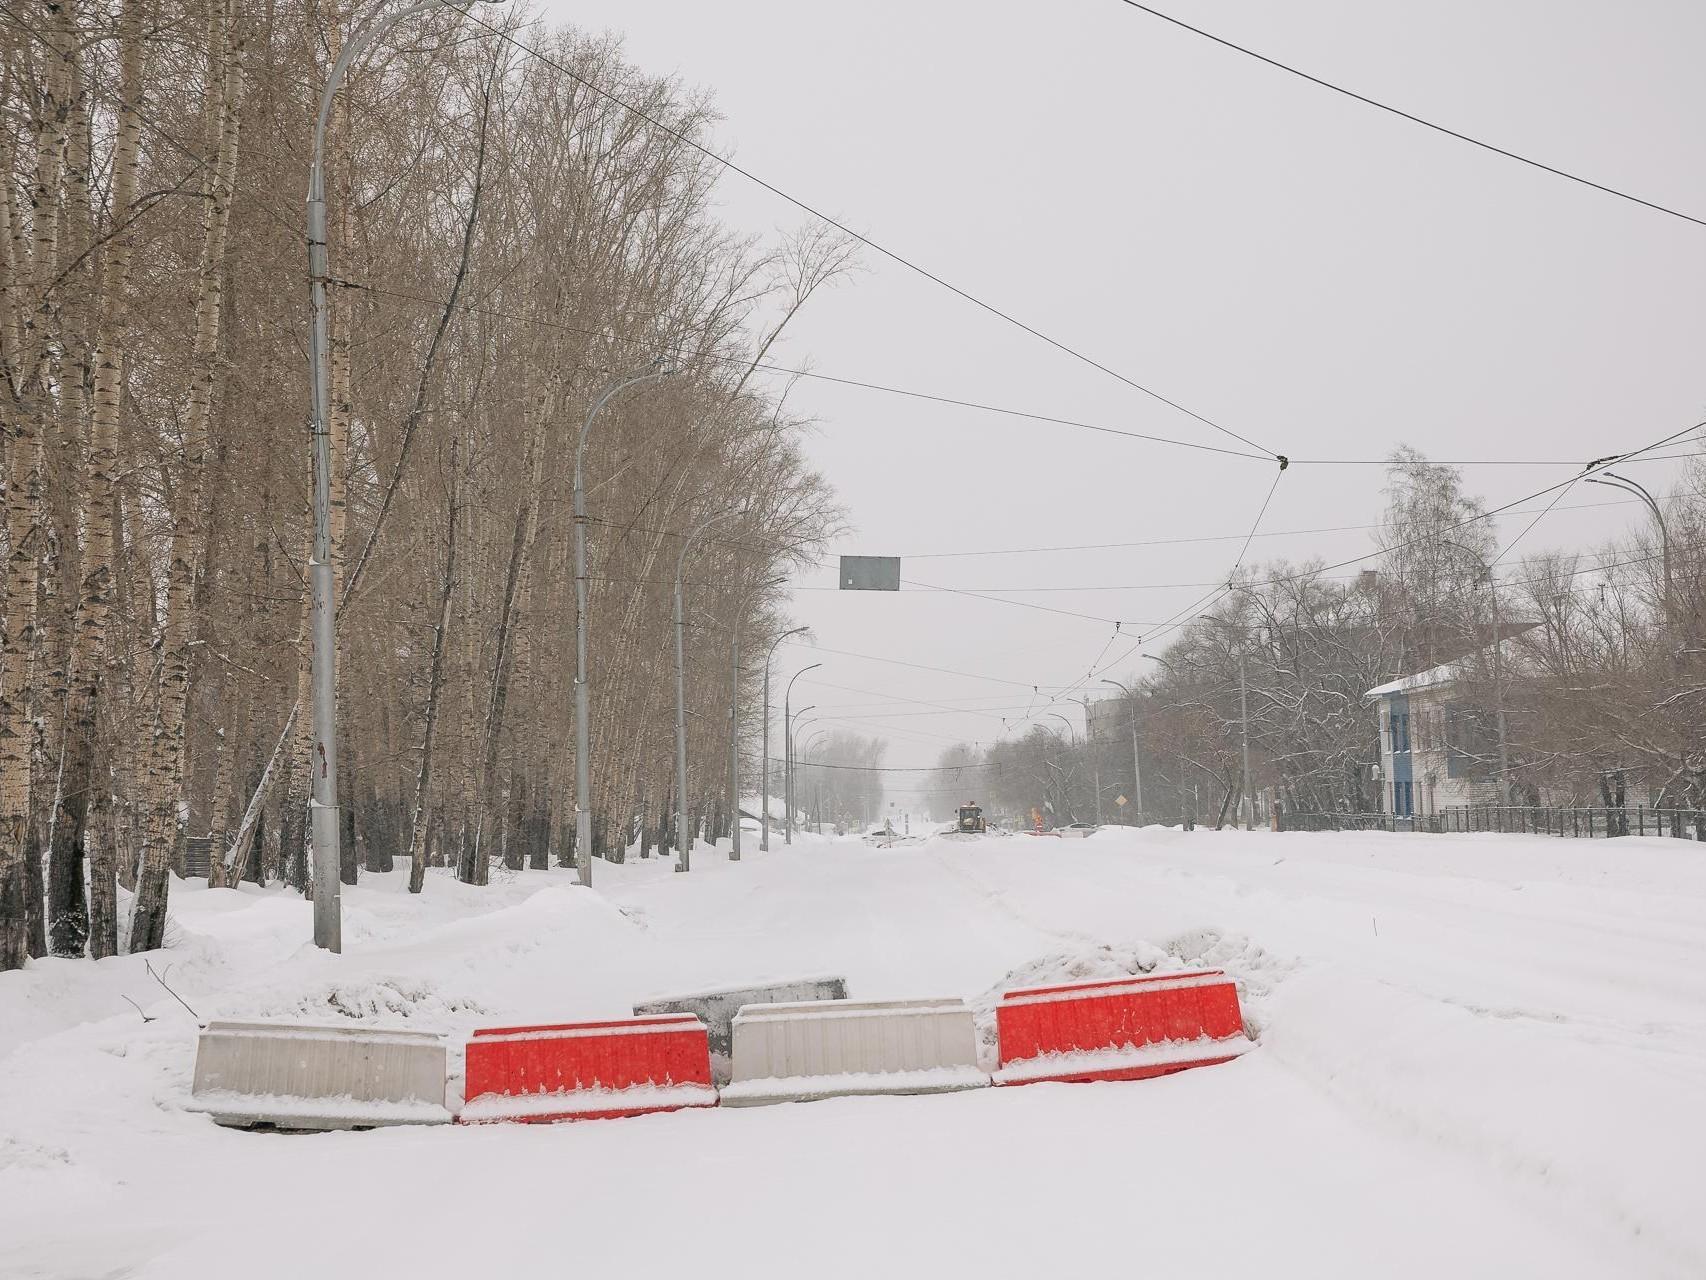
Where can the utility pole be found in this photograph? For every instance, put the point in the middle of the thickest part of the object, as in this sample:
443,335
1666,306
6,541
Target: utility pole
764,750
323,652
734,741
1066,774
1244,718
683,838
788,755
791,754
1498,665
583,716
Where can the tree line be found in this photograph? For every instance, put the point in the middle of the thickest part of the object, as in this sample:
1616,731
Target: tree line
1597,674
508,238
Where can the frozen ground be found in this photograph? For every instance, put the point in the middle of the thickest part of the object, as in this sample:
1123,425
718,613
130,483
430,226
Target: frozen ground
1480,1056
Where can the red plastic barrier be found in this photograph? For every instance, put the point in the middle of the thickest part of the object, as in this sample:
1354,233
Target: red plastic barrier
587,1070
1124,1029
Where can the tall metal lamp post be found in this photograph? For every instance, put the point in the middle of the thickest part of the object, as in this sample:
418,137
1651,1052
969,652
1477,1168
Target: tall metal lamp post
806,748
1611,480
1187,819
764,748
1090,754
1488,576
1136,764
790,723
787,756
1071,742
322,662
657,370
684,838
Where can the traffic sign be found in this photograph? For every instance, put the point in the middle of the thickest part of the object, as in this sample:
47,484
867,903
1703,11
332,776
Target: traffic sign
1120,800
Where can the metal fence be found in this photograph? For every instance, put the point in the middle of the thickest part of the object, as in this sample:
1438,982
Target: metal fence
1556,820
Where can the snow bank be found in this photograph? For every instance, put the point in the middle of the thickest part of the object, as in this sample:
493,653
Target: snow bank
1481,1056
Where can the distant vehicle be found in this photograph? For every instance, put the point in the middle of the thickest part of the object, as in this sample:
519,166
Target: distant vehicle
969,820
1078,830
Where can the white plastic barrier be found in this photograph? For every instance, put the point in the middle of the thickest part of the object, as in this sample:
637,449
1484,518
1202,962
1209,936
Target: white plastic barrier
840,1048
716,1008
290,1076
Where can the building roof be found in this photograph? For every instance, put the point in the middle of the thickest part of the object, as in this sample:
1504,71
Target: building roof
1447,672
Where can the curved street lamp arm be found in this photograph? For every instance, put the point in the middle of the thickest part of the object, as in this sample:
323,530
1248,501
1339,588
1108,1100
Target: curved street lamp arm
693,534
790,689
658,371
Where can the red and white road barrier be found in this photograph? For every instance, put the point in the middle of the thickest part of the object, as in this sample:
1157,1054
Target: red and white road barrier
1124,1029
587,1070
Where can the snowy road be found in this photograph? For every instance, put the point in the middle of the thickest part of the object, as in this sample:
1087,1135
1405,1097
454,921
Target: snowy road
1480,1056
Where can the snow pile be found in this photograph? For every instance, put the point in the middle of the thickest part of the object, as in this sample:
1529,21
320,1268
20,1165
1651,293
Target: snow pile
392,1000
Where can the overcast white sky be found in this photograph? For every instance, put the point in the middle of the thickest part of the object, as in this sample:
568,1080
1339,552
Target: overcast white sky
1318,276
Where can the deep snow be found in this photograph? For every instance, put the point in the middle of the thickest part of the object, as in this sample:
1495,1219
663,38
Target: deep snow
1478,1056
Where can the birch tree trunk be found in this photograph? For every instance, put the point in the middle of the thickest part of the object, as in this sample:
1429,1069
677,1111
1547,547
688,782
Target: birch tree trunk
167,788
418,822
80,783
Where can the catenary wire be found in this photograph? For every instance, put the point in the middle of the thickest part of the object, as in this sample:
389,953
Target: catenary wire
893,256
1415,119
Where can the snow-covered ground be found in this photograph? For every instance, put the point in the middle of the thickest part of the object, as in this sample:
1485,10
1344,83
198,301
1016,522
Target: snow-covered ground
1479,1056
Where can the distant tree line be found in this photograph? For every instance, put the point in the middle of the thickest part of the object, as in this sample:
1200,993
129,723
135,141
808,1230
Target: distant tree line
1601,677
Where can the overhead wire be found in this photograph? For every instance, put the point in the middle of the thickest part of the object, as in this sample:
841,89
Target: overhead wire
883,250
1506,152
687,353
1601,465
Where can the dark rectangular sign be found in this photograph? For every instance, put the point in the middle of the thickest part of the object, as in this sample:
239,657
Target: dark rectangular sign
870,573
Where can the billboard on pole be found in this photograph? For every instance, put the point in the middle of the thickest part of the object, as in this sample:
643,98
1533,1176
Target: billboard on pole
870,573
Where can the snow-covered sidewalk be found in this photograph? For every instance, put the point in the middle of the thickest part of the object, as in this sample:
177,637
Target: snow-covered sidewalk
1479,1056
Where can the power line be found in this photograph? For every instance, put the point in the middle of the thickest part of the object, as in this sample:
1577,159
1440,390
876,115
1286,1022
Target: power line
1224,537
873,245
890,768
1602,465
685,352
1414,119
898,662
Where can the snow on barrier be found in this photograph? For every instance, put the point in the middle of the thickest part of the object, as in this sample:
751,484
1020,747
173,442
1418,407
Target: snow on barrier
717,1007
838,1048
587,1070
1125,1029
287,1076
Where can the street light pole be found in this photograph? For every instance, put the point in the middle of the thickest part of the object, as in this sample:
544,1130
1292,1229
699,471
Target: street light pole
1071,742
583,716
791,724
683,839
322,661
1136,764
787,755
1090,753
806,749
764,749
1614,481
1187,820
1244,719
1498,669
